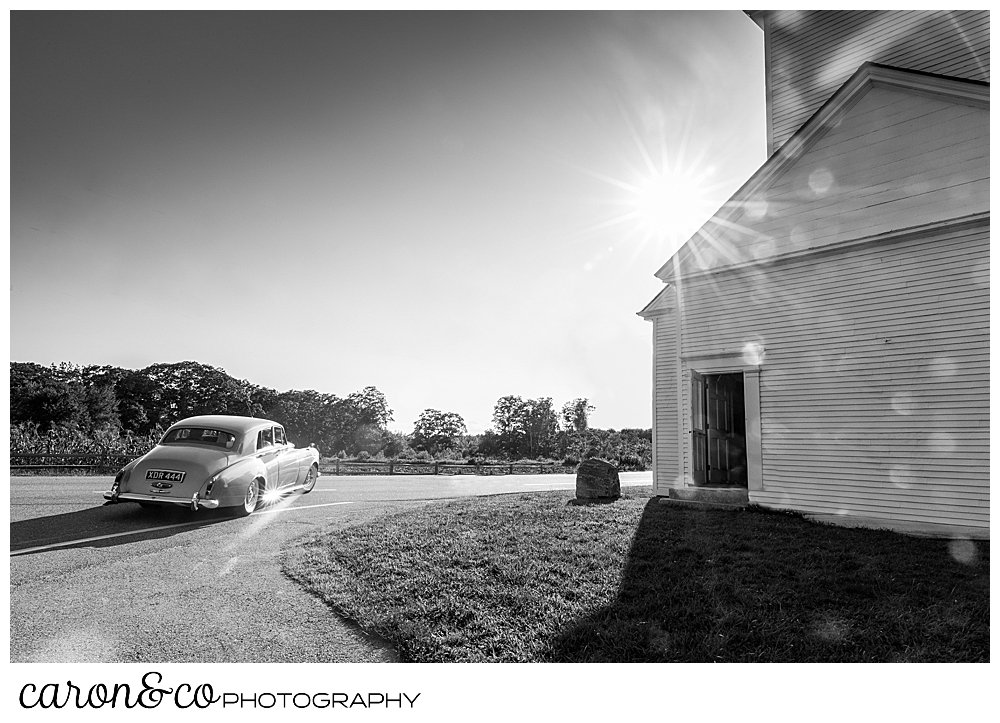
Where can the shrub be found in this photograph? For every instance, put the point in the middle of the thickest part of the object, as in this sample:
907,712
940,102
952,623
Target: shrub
395,444
450,455
26,438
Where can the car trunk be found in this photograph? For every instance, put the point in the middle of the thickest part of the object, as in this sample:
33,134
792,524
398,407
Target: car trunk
176,470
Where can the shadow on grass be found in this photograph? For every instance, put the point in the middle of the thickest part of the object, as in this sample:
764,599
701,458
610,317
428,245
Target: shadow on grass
761,586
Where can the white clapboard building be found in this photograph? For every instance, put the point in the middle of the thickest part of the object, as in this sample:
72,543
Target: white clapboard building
821,344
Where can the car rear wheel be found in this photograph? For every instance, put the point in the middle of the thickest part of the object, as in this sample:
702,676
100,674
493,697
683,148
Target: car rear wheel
310,481
250,500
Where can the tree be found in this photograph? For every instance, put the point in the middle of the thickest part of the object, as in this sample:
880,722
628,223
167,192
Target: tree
369,406
575,413
309,417
100,395
161,394
359,420
394,443
541,426
335,424
630,449
111,400
525,427
50,404
509,416
435,430
61,395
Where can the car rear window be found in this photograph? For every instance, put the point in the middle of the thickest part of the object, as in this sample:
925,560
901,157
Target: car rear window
200,435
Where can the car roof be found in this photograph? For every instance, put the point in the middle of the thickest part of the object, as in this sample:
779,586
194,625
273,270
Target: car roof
226,422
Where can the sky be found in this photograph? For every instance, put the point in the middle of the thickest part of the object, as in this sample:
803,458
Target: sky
449,206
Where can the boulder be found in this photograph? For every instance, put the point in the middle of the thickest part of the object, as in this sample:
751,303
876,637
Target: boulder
597,479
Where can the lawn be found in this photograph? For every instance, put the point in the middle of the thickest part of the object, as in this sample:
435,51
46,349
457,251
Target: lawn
530,578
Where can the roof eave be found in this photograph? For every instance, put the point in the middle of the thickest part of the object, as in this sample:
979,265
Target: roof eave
661,304
869,75
757,16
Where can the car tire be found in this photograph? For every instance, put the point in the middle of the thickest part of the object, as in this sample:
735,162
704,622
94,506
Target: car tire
251,500
310,480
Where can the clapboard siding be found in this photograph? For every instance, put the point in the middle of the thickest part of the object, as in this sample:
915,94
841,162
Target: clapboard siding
896,160
800,27
874,391
943,57
857,259
811,54
665,402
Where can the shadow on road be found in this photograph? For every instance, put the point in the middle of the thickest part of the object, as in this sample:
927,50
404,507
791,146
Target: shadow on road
130,522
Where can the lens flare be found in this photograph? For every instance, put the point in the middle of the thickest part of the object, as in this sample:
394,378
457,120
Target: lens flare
902,476
669,203
941,443
753,353
942,366
271,496
904,403
964,551
820,181
664,191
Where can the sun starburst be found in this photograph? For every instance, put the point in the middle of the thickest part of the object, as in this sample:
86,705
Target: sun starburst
665,194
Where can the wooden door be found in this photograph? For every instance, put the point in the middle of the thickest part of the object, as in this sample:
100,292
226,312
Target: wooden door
699,449
719,416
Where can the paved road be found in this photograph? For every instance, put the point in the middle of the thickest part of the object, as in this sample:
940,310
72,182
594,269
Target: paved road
94,583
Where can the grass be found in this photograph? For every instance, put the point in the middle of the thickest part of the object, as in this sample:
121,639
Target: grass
528,578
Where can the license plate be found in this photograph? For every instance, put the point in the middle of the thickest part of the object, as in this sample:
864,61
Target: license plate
165,474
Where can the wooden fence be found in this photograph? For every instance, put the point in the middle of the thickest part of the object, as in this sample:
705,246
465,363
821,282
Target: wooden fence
397,466
92,461
97,462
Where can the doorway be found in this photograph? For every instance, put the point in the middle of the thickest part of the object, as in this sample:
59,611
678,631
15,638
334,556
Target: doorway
718,430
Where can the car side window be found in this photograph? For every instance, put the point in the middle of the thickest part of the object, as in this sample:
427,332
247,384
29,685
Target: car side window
264,439
279,435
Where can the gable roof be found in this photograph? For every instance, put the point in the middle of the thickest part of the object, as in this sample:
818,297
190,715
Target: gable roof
661,304
868,76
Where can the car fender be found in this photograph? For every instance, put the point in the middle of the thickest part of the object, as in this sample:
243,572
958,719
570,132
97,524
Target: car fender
231,483
126,472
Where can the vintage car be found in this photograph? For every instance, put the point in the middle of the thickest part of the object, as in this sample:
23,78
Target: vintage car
218,461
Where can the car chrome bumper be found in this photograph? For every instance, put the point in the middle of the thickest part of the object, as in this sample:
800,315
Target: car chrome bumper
194,502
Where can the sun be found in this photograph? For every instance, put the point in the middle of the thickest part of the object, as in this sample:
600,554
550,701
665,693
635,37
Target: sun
670,204
665,190
661,203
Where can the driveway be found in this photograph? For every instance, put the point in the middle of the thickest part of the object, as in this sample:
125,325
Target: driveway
94,583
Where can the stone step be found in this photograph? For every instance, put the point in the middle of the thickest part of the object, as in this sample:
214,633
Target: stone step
718,495
694,504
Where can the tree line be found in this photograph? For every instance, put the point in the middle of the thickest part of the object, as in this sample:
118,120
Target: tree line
82,408
531,429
